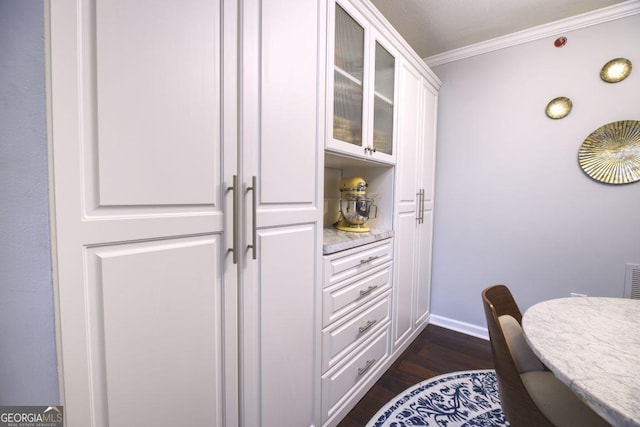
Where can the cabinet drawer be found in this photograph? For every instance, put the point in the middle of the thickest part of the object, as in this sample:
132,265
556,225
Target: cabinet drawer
349,295
340,383
344,336
341,266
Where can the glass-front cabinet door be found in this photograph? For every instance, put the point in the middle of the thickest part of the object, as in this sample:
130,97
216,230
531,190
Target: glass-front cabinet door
363,81
383,100
348,79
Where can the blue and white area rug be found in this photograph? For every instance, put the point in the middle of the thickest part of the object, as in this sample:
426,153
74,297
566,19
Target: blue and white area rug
458,399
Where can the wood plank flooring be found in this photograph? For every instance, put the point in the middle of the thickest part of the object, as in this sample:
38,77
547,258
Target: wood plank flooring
436,351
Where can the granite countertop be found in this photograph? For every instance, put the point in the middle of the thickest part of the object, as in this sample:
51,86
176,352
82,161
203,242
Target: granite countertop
593,346
337,240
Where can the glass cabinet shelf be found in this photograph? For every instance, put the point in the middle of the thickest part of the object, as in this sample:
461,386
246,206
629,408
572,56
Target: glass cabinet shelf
347,75
381,97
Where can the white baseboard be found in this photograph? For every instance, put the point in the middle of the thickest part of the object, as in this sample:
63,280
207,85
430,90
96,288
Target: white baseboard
458,326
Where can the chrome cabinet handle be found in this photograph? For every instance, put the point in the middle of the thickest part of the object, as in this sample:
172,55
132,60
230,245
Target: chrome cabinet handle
236,202
368,290
420,216
369,324
366,367
371,258
254,230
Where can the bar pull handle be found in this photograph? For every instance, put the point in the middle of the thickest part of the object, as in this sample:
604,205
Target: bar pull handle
368,290
422,207
366,367
236,205
254,215
420,195
369,324
368,260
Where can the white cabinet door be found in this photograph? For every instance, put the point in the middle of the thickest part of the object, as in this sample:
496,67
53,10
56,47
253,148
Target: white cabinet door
361,86
425,224
282,87
407,173
146,291
414,221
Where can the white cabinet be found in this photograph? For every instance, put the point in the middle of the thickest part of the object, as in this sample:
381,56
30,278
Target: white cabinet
361,82
282,73
414,203
356,319
173,262
397,283
426,187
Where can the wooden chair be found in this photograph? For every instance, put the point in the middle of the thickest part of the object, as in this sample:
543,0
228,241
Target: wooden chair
529,393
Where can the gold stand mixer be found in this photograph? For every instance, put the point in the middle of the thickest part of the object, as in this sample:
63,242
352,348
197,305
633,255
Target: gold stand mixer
355,206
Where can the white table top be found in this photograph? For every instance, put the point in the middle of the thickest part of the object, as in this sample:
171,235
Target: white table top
593,346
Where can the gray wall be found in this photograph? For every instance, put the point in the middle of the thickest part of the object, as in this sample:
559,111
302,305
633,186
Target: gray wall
512,204
28,373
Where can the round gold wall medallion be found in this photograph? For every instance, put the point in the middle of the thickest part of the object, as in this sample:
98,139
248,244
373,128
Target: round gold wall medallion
611,154
616,70
559,107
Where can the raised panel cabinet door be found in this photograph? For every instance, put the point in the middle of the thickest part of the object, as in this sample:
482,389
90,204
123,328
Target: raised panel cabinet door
403,286
408,173
423,276
429,113
155,319
427,183
280,359
283,66
409,141
146,291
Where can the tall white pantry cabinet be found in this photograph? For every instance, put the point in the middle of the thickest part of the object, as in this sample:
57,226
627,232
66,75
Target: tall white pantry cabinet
186,140
414,203
187,147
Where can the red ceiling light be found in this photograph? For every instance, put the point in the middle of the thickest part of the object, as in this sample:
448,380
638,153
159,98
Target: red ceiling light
560,41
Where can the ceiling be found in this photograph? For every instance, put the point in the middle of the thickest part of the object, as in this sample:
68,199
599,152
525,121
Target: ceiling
436,26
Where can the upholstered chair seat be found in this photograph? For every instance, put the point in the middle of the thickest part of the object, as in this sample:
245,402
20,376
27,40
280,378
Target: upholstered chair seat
554,399
531,396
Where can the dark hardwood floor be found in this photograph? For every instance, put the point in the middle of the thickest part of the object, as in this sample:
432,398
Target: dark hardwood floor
436,351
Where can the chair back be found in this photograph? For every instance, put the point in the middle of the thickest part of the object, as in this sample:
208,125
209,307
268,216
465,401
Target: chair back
517,404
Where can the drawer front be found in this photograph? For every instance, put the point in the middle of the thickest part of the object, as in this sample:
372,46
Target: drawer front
344,336
339,383
338,267
348,296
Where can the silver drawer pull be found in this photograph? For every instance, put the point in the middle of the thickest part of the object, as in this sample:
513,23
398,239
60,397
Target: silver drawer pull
369,324
368,291
371,258
366,366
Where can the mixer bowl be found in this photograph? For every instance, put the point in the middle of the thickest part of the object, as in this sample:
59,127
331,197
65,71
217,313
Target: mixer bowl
356,211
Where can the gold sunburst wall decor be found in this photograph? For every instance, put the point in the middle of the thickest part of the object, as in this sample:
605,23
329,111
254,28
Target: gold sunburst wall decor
559,107
616,70
611,154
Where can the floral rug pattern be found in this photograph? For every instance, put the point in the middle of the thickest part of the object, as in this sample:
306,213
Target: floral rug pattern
459,399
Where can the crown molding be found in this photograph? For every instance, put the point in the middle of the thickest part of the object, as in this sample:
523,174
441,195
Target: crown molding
618,11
